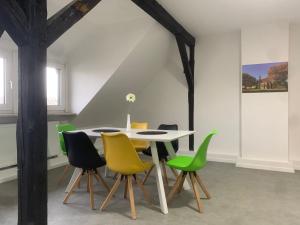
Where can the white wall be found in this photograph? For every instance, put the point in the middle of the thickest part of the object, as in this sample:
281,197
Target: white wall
142,64
294,95
94,61
164,100
216,95
8,150
264,116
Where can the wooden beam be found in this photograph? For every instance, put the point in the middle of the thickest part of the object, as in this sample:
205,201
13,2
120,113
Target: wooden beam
185,61
67,17
32,118
154,9
1,31
191,98
14,21
188,65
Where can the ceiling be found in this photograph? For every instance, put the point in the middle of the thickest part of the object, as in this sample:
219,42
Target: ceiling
106,12
203,17
199,17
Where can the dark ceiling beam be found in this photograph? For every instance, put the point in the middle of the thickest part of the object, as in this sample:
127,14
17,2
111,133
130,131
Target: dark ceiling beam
14,21
155,10
185,61
1,31
63,20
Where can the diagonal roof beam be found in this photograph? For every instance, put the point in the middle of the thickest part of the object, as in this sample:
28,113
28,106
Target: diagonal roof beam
14,21
63,20
154,9
185,62
1,31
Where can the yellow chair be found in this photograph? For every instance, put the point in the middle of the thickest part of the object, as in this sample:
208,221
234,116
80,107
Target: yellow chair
140,145
122,158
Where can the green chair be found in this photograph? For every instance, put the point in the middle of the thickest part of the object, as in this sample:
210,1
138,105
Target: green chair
60,129
188,166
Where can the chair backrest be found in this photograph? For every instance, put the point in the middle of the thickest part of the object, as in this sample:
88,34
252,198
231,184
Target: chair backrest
161,148
138,143
200,158
139,125
81,151
61,128
120,154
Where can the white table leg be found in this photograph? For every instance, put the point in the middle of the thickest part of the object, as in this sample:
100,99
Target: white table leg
76,172
159,179
172,154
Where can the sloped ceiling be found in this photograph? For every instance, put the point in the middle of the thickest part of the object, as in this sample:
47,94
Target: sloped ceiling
105,14
202,17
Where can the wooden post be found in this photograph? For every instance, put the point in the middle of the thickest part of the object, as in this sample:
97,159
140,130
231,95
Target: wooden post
191,97
188,65
32,118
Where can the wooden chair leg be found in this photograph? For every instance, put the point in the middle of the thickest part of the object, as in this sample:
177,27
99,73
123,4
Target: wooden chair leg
62,177
115,176
142,187
72,188
131,198
101,181
126,187
201,184
182,182
91,188
175,187
174,172
87,182
196,192
165,175
111,193
147,175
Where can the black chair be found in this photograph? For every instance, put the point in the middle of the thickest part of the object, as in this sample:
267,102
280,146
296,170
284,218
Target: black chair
163,153
82,154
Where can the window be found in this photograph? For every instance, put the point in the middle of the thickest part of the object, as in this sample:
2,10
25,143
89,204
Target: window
2,81
55,87
5,82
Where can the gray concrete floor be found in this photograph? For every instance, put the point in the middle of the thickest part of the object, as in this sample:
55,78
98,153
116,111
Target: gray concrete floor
239,197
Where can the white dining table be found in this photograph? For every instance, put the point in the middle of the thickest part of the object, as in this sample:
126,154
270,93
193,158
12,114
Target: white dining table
167,138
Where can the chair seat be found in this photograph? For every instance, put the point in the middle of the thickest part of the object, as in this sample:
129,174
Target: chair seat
182,163
132,169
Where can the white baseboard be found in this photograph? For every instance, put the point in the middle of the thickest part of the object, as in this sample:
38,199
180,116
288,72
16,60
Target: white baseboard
287,167
296,165
11,174
225,158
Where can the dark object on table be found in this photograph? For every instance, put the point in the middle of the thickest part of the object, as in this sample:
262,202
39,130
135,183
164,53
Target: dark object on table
152,132
106,130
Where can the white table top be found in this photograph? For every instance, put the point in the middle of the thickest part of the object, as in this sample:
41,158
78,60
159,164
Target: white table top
132,134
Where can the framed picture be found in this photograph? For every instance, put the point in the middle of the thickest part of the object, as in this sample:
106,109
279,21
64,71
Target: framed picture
267,77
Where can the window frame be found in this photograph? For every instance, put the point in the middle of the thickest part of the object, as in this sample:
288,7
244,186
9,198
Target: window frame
7,108
62,87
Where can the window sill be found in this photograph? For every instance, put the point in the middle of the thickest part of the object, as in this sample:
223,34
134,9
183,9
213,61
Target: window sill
55,116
